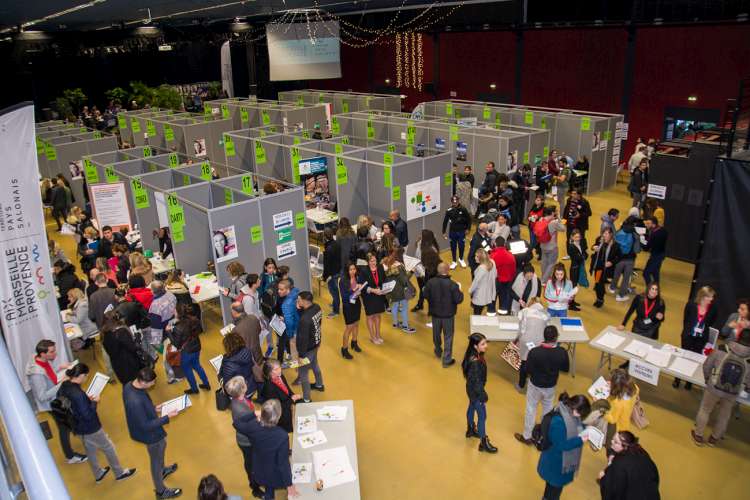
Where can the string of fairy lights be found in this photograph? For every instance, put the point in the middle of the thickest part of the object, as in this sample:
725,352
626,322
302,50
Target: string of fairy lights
409,60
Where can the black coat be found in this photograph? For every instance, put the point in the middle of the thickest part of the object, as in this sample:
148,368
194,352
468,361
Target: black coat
346,244
476,378
402,232
240,363
478,241
331,259
637,306
122,351
630,477
66,280
577,214
272,391
459,219
58,198
443,295
361,248
600,257
692,342
133,313
270,449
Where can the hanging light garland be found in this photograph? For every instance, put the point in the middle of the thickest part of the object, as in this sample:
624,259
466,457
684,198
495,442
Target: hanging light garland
409,60
420,62
398,60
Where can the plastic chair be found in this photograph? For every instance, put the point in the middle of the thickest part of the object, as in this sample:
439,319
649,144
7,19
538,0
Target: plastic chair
316,268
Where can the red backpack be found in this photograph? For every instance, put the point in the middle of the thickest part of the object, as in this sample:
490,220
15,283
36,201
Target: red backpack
541,231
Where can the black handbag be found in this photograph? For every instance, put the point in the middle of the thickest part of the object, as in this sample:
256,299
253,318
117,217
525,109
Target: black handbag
222,400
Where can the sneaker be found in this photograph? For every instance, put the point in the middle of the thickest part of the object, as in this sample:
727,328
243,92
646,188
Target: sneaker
379,341
168,470
453,265
491,314
168,493
304,400
620,298
611,290
698,440
205,387
319,388
462,262
408,329
101,475
712,440
125,474
566,257
77,459
396,325
428,325
332,315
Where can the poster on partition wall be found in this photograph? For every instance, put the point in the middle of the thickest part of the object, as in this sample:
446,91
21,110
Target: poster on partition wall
422,198
110,204
224,244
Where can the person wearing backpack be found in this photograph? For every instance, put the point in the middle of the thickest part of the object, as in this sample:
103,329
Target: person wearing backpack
44,382
727,373
628,241
85,423
562,444
545,230
238,276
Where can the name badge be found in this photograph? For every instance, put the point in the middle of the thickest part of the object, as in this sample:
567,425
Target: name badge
353,300
530,345
647,321
698,330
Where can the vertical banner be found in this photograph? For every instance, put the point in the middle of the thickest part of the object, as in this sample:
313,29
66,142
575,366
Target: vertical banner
227,82
27,293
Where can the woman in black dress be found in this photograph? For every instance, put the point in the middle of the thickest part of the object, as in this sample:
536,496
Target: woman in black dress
350,286
373,298
275,386
700,315
578,254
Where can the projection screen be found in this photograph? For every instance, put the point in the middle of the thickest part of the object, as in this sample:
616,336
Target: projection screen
292,54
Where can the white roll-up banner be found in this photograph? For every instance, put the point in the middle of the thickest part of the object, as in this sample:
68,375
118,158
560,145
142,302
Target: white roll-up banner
27,292
227,82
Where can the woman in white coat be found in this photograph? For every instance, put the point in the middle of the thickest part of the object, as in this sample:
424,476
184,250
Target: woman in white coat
532,320
483,291
79,312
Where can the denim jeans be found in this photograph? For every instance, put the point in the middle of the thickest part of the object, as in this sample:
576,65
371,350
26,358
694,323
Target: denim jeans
653,266
333,289
557,313
481,410
191,361
403,306
458,242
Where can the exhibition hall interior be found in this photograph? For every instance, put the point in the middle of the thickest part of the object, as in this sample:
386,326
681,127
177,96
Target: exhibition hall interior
380,249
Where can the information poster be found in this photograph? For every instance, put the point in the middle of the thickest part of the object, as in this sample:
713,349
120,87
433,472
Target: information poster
224,244
282,220
286,250
422,198
109,209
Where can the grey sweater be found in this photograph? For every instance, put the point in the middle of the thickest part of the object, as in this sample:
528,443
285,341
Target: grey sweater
43,391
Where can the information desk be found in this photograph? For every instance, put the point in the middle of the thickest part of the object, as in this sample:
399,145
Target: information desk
506,328
321,216
696,378
161,266
341,433
207,286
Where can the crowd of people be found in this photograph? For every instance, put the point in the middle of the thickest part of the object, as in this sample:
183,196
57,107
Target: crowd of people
141,316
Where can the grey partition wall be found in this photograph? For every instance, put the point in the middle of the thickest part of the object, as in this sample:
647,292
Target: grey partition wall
196,135
253,113
193,253
343,102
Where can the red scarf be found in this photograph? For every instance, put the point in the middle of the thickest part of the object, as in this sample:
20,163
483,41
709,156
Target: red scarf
280,384
375,276
47,368
249,403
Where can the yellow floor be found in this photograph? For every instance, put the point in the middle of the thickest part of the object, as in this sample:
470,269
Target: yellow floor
411,416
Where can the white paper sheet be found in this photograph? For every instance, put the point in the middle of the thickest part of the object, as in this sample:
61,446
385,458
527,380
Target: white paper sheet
509,325
658,357
98,383
692,356
177,404
312,439
307,424
332,413
484,320
332,466
638,348
277,324
596,437
684,366
388,286
216,362
599,389
227,330
302,473
611,340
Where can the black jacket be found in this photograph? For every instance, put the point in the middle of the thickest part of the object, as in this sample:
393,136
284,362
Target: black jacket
165,246
58,198
270,449
84,410
331,259
133,313
346,244
630,477
360,250
690,321
443,295
544,365
144,425
489,184
123,266
402,232
122,351
459,218
656,241
105,246
66,280
577,213
476,378
309,329
577,257
637,181
272,391
478,241
602,255
240,363
638,307
185,335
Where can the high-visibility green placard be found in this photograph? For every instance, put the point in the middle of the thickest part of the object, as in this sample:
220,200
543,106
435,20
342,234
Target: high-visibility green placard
176,219
71,125
260,153
396,193
344,139
83,129
90,171
265,118
152,167
135,125
388,158
295,156
449,108
486,113
410,150
110,175
228,146
122,123
168,133
206,109
206,171
50,152
39,146
528,117
185,180
342,173
391,148
454,132
256,234
345,106
244,116
320,97
448,178
97,134
305,134
139,193
411,132
224,111
525,157
174,160
300,220
543,122
284,235
296,140
300,101
367,101
247,184
338,148
546,151
335,125
228,196
387,176
262,133
585,123
150,128
497,120
147,152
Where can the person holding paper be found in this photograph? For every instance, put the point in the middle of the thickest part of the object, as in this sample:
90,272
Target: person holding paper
700,314
268,277
737,321
649,309
623,394
146,427
578,253
474,368
525,286
88,426
79,313
236,362
249,328
483,291
373,297
545,230
286,310
350,285
185,337
630,473
559,292
395,271
241,406
481,239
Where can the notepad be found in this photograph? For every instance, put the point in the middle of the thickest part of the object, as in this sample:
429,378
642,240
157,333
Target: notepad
599,389
332,413
638,348
596,437
658,357
216,362
610,340
301,473
571,324
518,247
683,366
98,383
227,330
306,424
177,404
312,439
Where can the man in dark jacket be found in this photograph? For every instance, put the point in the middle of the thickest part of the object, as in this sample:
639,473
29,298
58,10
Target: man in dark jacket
481,239
332,269
639,183
65,280
109,238
489,184
400,229
443,295
576,214
60,205
100,300
460,223
309,333
656,244
146,427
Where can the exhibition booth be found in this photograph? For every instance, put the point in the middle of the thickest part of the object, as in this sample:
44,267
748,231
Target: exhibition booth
190,134
342,102
251,113
597,136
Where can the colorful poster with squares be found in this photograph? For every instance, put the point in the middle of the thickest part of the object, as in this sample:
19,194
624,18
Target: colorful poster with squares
422,198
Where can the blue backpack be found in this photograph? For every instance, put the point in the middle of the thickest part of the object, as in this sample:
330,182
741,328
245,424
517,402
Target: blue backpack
625,241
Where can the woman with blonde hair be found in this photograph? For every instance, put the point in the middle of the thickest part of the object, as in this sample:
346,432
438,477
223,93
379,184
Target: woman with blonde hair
239,278
140,265
623,394
79,312
366,221
700,315
483,291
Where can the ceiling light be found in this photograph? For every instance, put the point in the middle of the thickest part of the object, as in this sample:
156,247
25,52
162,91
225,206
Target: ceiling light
692,98
387,81
493,86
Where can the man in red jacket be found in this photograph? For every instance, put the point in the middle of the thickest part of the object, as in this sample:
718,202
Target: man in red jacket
505,264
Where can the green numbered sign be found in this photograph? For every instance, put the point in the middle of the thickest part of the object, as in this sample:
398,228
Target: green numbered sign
224,111
122,123
265,118
109,173
486,113
206,171
585,123
135,125
260,153
247,185
396,193
244,117
299,220
528,117
342,174
228,146
147,152
335,126
150,128
90,171
449,109
139,193
228,196
168,133
174,160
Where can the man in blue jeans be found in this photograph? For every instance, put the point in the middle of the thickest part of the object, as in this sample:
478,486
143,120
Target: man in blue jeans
460,222
332,269
656,243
